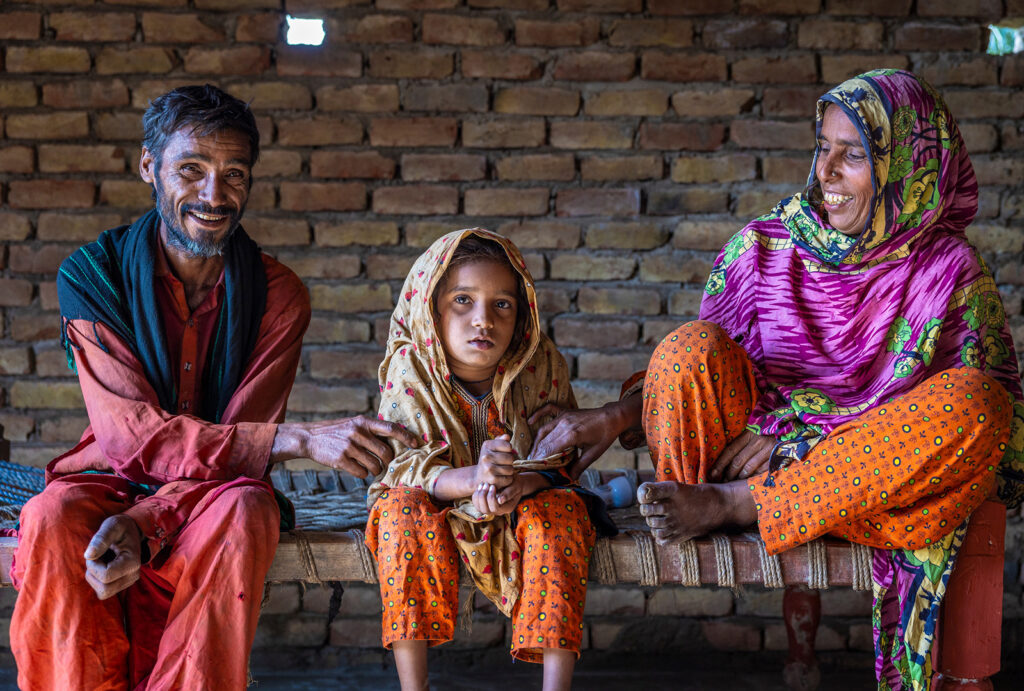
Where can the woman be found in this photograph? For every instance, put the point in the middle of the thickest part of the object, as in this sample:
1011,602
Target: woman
852,373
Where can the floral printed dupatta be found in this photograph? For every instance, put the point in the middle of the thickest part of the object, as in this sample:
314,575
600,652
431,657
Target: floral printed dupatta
416,392
837,324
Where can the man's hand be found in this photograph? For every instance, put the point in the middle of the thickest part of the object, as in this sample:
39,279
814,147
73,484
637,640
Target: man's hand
746,455
114,556
352,444
592,430
495,464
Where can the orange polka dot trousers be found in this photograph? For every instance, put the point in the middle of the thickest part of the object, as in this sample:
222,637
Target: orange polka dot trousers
902,475
417,564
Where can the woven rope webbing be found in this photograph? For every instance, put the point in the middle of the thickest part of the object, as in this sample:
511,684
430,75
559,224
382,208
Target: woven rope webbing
817,565
689,563
724,561
306,556
366,560
771,566
861,558
646,562
604,562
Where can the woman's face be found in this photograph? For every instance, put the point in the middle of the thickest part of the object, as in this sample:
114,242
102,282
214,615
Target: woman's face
844,173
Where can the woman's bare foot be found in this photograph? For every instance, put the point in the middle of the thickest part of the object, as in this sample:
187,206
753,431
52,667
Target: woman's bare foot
678,512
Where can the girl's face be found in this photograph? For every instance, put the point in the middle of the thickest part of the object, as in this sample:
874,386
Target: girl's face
844,172
477,308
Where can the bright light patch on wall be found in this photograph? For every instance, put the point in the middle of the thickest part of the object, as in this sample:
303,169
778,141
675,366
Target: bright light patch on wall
305,32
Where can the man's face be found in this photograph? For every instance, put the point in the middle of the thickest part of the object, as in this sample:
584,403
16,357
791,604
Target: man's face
202,185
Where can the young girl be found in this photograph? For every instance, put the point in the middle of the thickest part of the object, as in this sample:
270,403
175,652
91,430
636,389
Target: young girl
466,369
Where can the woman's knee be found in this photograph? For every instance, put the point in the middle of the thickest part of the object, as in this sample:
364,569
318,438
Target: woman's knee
989,402
696,340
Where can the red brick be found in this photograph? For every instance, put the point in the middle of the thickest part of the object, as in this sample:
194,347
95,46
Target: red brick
14,361
443,167
34,327
674,201
580,32
836,69
779,6
141,60
416,4
959,68
573,134
512,5
17,159
167,27
416,199
334,330
937,36
506,202
617,6
775,70
772,134
379,28
93,26
351,164
610,168
61,59
982,9
235,4
36,394
685,302
309,131
677,67
582,267
275,163
344,364
997,170
411,64
507,133
727,635
745,33
693,136
20,26
499,65
132,194
323,196
871,8
789,169
45,194
370,233
704,169
264,27
461,31
78,228
590,333
598,202
67,429
277,232
48,295
45,259
14,227
794,101
672,268
755,202
388,267
625,236
595,66
318,61
111,93
446,97
820,33
413,131
244,59
311,398
633,102
149,90
542,234
362,98
675,33
64,158
17,95
969,103
536,100
15,292
618,301
686,7
324,265
537,167
268,95
118,126
710,103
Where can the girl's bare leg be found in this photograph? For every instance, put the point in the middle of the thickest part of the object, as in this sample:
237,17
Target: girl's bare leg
411,662
558,666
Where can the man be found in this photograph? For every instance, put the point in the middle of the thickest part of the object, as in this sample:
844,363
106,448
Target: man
142,562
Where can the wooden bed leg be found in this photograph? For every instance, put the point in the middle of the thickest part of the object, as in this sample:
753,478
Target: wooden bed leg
801,610
969,637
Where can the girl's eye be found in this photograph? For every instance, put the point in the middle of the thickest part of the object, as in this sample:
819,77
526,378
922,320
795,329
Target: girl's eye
504,304
461,299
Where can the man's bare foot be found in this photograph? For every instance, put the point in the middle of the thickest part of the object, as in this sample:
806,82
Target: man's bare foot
678,512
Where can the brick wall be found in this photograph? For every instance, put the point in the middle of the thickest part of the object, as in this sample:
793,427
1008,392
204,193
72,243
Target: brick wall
618,142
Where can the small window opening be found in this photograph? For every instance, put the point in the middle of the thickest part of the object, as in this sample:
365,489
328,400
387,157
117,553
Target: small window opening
305,32
1006,37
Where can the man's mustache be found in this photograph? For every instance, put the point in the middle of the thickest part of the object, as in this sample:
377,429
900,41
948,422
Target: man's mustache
211,210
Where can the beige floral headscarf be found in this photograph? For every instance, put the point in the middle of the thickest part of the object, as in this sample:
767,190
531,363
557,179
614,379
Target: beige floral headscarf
416,391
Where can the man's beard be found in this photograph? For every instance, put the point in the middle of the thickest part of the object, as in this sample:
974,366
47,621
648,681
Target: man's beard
206,245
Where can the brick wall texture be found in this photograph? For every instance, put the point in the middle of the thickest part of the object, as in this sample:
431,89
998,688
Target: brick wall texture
618,142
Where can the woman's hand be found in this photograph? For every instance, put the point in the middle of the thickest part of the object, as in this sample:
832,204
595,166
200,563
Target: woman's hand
746,455
495,464
591,430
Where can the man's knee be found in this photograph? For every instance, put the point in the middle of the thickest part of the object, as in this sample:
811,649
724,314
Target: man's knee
65,512
246,512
